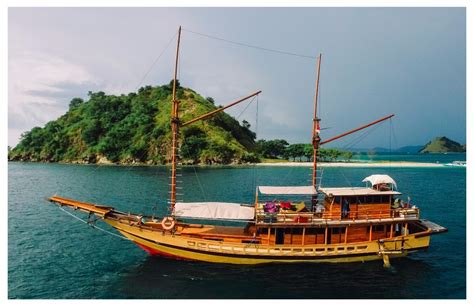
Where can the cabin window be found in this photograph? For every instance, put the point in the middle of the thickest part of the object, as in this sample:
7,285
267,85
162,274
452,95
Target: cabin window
314,231
337,235
297,231
378,228
338,230
352,200
385,199
263,230
279,236
337,200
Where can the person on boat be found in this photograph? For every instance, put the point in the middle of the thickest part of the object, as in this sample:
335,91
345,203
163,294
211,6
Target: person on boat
319,210
345,208
396,203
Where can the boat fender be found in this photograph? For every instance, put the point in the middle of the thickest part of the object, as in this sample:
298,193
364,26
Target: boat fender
168,223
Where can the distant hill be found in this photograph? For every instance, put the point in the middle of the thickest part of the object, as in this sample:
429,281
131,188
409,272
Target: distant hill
404,149
135,128
442,144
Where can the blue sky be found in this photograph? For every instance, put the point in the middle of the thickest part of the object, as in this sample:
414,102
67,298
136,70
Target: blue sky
376,61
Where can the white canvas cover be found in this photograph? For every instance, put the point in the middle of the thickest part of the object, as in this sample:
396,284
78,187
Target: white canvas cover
295,190
214,210
378,179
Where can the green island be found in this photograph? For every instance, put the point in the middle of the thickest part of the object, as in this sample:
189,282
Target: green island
135,129
441,145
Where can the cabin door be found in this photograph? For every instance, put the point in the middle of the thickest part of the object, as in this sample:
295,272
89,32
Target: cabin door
279,235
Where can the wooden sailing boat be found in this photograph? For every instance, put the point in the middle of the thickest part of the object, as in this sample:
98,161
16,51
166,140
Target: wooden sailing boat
331,225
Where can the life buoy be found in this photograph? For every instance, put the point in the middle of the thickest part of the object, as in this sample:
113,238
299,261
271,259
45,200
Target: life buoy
168,223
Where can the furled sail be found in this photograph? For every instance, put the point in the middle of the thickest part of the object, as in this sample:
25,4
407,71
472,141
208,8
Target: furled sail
292,190
215,210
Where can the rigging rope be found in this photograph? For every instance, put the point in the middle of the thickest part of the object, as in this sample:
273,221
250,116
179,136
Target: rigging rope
251,46
354,142
246,107
94,226
155,61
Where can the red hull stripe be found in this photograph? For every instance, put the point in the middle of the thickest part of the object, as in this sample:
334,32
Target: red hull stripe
155,252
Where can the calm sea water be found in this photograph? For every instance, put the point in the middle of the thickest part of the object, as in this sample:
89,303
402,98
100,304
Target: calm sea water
52,255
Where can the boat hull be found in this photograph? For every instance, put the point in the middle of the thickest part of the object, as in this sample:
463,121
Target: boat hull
164,244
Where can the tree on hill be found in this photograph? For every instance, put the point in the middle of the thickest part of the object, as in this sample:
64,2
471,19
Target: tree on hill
442,144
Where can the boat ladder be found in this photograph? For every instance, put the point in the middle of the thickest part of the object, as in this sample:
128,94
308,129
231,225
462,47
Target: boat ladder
386,252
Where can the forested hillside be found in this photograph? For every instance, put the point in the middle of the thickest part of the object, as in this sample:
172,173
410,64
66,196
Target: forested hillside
135,128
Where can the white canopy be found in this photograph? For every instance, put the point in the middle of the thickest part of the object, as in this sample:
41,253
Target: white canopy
349,191
215,210
378,179
297,190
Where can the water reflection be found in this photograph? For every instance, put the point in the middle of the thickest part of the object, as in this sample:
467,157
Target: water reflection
157,277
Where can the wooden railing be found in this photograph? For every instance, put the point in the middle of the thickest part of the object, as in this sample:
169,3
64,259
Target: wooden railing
324,217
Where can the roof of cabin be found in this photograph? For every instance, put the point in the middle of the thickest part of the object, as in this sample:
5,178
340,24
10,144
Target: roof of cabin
355,191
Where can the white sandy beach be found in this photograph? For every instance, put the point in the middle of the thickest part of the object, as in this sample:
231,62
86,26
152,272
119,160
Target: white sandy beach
355,164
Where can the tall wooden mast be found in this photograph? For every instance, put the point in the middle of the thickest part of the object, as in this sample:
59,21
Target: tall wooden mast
174,129
316,129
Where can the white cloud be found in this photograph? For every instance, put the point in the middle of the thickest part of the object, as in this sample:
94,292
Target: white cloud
39,89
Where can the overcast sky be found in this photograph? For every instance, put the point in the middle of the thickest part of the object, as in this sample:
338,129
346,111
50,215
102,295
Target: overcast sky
376,61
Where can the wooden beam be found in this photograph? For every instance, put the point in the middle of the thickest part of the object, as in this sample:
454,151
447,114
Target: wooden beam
356,129
302,238
86,207
220,109
174,129
316,138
